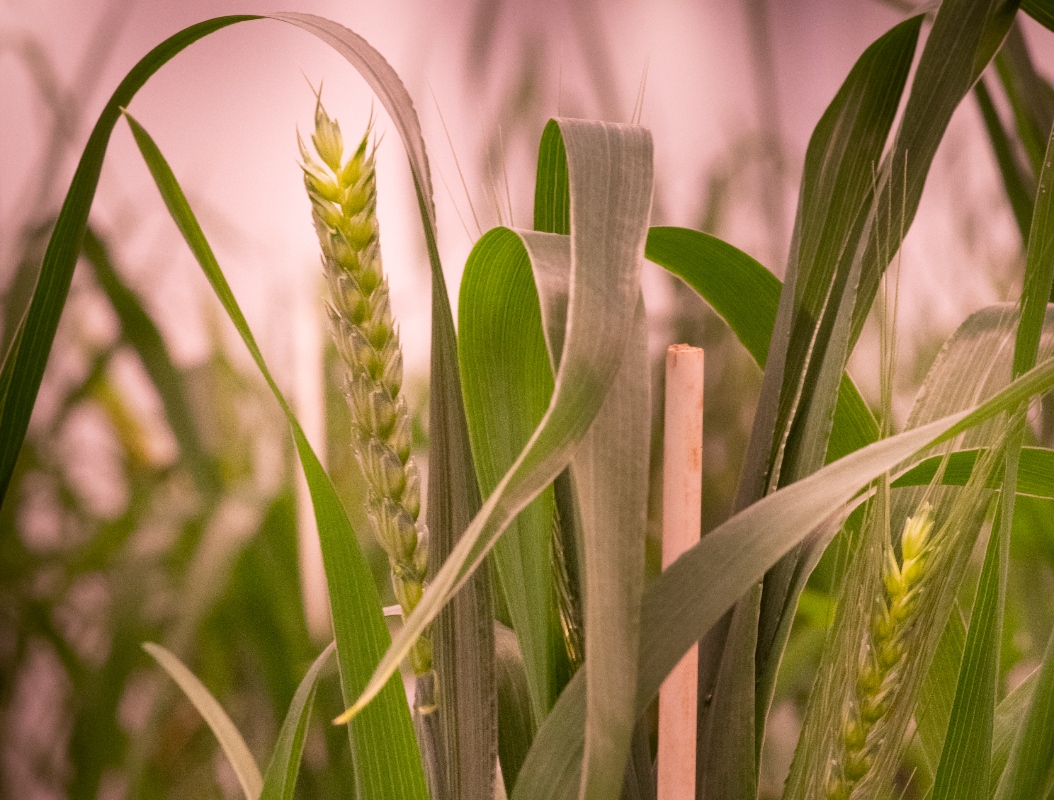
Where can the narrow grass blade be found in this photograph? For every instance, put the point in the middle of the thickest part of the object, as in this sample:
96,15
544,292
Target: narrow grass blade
1031,100
279,782
1029,766
746,295
1035,476
142,334
610,168
1014,181
1032,753
387,760
966,758
24,362
686,600
1008,718
964,38
230,740
813,330
464,649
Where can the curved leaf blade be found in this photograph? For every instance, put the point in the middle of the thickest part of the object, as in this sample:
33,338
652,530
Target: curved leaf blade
212,712
387,760
279,782
610,169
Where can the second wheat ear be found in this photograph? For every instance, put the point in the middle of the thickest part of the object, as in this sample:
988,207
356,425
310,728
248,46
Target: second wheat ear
343,194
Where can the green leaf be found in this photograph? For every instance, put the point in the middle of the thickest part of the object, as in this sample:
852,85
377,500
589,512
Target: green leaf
1013,180
745,295
1029,765
813,330
687,599
1032,753
386,756
1042,11
24,362
279,782
516,724
1031,101
230,740
142,334
461,637
507,382
1035,476
966,758
610,174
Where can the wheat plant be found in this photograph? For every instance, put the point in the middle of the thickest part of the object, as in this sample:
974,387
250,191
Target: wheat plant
540,445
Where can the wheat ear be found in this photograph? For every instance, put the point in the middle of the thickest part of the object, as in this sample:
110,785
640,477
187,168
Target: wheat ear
343,197
890,624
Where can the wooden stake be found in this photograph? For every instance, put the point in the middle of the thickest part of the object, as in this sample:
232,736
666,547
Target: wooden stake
681,505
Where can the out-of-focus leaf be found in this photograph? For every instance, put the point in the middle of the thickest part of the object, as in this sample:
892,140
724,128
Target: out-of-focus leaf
387,760
1013,180
1029,764
688,598
1031,100
1042,11
25,360
279,781
142,334
230,740
1008,717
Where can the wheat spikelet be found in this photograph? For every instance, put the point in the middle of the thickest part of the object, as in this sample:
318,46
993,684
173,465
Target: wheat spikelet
889,626
343,204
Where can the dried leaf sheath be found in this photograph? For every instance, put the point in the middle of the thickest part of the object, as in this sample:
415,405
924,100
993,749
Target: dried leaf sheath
343,204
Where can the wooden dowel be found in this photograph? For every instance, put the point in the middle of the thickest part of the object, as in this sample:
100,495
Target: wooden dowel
681,505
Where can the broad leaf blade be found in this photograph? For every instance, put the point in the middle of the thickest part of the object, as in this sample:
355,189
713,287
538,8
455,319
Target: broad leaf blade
507,382
279,782
386,756
230,740
611,173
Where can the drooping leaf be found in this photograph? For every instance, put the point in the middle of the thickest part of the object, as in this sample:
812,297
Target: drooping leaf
386,756
279,782
462,635
682,603
24,361
610,173
230,740
142,334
